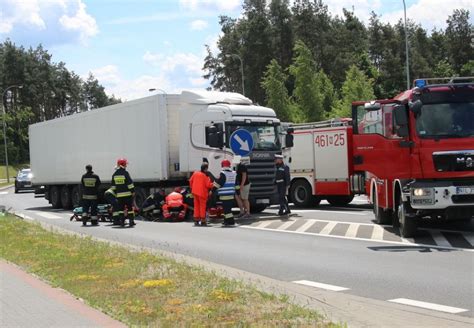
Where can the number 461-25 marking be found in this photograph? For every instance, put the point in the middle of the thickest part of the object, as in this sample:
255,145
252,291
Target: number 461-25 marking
328,140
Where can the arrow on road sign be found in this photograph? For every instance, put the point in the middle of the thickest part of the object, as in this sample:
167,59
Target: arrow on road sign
244,145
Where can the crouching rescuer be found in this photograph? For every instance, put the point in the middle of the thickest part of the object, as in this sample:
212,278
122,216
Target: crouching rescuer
124,189
90,183
225,185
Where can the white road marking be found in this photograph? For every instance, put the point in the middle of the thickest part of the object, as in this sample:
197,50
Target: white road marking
320,285
426,305
305,226
469,237
264,224
377,233
3,192
328,228
352,231
323,211
286,225
402,243
48,215
439,239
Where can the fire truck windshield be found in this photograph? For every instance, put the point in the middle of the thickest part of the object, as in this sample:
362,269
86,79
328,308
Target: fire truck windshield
446,120
265,136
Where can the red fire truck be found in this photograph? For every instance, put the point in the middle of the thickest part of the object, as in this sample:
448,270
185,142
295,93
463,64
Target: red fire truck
413,155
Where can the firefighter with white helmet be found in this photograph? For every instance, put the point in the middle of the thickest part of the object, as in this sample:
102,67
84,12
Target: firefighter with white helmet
122,185
225,185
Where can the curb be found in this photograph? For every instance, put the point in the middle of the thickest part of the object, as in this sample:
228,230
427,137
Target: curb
354,310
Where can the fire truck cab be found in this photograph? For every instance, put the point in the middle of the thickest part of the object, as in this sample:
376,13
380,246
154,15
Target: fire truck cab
414,154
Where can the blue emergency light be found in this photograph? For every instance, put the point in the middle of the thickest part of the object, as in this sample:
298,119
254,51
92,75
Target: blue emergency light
419,83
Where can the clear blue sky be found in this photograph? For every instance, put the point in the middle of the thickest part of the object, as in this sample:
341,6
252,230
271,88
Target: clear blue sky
132,46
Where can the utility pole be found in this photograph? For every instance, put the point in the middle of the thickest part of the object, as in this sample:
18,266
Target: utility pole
5,129
406,45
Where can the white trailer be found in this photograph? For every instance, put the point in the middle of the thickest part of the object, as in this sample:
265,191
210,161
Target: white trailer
321,163
164,137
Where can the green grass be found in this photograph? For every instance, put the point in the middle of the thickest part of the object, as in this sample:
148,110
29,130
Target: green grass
12,170
139,288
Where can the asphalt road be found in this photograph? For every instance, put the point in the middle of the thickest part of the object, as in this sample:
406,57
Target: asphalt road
330,248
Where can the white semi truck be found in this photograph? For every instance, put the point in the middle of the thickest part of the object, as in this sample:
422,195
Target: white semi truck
165,138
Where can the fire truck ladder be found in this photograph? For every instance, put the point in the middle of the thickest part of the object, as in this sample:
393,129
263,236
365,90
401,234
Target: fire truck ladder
323,124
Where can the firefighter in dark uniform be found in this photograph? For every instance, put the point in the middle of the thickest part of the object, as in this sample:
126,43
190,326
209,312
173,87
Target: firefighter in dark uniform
225,185
282,181
124,189
90,183
151,207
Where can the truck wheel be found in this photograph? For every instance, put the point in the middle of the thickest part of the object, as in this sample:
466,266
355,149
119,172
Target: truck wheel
140,196
381,216
66,200
406,222
76,196
301,194
340,200
257,208
55,197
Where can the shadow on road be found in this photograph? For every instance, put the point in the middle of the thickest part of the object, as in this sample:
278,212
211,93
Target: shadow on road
398,249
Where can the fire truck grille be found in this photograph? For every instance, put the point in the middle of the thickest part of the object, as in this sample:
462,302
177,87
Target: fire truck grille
454,161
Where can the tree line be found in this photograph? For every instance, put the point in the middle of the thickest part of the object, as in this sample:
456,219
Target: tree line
49,90
309,65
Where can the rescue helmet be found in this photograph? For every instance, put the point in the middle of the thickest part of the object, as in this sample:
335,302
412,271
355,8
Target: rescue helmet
225,163
177,189
122,162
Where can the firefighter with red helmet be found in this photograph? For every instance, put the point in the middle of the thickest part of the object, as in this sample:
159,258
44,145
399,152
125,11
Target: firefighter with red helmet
174,202
122,185
225,185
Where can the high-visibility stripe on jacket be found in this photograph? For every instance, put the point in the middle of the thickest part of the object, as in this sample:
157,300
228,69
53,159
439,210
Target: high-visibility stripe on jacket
226,183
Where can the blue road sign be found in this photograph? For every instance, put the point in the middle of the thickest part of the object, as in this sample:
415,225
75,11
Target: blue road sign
241,142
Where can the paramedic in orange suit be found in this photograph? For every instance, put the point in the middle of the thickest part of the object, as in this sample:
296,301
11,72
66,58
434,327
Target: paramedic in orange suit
200,185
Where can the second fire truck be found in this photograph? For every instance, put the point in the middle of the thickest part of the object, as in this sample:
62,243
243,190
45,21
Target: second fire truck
412,155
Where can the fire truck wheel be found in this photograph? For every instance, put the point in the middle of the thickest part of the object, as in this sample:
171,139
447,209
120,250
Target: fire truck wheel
407,223
339,200
300,193
381,216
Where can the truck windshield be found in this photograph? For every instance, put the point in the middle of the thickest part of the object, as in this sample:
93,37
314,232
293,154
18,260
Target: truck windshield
265,136
446,120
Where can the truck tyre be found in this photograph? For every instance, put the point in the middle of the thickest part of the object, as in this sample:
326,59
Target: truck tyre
66,199
140,196
76,196
55,197
301,194
340,200
381,216
407,223
257,208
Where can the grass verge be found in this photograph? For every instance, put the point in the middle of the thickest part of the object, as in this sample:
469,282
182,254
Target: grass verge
12,171
139,288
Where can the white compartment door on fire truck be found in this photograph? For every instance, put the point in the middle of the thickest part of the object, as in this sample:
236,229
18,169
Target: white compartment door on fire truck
331,160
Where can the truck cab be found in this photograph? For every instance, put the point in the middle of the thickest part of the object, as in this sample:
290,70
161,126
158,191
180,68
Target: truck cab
415,153
211,118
